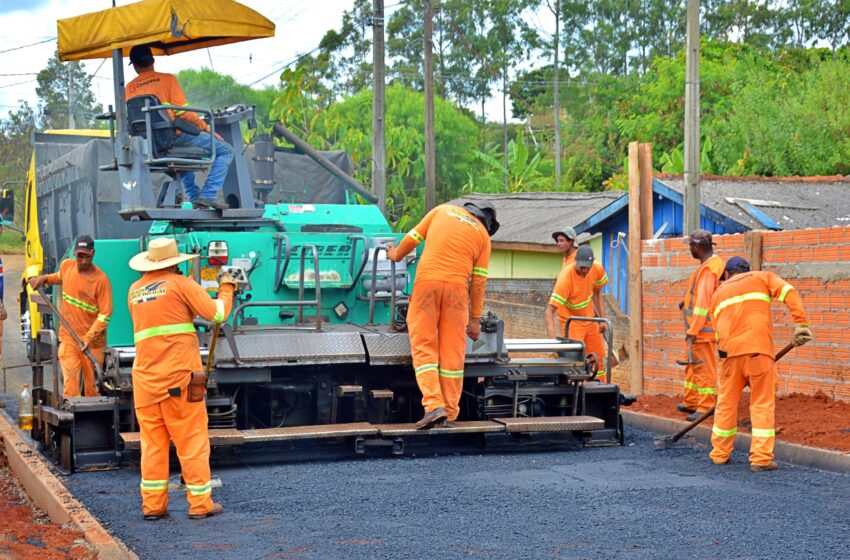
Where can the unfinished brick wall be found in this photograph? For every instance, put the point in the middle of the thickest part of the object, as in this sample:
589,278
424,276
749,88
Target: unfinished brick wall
816,262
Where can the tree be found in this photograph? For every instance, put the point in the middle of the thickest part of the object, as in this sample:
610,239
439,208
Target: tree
65,96
208,89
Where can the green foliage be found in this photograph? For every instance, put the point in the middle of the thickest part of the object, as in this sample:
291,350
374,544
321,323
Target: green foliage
208,89
63,88
347,126
521,175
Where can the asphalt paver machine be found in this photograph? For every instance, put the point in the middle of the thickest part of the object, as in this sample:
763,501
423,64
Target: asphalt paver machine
315,353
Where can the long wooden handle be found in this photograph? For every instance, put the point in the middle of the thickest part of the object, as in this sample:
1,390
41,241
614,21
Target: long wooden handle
211,354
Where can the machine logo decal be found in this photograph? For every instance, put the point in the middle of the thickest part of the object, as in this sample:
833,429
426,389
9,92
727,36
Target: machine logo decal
148,293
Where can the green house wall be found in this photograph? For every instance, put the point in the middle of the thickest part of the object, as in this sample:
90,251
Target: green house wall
510,264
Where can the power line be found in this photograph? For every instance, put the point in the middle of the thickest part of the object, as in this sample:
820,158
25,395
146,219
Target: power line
22,74
17,83
30,45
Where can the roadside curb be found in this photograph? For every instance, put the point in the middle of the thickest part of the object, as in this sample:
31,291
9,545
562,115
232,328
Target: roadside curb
48,493
785,452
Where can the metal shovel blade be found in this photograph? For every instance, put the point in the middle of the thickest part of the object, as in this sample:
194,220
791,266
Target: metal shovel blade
176,484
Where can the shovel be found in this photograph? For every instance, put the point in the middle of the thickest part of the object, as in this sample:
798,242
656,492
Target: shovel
690,361
666,442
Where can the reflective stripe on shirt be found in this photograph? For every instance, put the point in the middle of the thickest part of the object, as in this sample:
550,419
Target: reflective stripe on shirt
179,328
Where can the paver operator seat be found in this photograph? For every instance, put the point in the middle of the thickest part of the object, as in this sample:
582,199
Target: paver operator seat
151,120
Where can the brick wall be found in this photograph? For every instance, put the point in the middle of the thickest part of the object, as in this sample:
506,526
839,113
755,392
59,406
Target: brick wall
816,262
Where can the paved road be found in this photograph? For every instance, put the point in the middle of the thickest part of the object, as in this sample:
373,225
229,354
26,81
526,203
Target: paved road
624,502
14,350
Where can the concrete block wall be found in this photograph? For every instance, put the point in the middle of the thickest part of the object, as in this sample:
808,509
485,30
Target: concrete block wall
815,261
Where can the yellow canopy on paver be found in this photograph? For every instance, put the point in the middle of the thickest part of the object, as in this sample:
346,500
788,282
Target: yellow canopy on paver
168,26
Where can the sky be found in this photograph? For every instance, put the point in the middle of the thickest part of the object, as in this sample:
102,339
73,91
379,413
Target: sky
300,25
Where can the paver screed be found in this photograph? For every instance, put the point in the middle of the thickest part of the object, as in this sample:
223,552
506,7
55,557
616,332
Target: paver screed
624,502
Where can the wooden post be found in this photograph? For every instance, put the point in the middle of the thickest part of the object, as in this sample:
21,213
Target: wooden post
430,140
752,249
647,227
379,135
635,276
691,216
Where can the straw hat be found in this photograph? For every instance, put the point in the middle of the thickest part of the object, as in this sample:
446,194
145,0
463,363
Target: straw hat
162,253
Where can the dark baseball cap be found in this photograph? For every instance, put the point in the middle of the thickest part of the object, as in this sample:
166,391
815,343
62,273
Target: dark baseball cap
584,256
83,244
700,236
141,54
737,264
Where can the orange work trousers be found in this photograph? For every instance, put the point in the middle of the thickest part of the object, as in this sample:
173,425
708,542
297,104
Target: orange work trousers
175,419
759,372
437,319
73,361
701,379
588,333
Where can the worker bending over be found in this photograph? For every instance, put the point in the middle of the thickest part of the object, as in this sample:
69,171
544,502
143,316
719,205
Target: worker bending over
743,320
565,239
578,293
163,305
86,306
447,300
700,378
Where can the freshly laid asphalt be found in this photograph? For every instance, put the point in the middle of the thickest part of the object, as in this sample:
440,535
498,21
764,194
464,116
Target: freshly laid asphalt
618,502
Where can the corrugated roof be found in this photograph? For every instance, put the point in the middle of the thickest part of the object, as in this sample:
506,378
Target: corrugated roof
532,217
790,202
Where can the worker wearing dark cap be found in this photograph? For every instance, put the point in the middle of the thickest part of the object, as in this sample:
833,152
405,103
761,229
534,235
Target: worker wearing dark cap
744,322
578,293
565,239
447,300
166,88
700,378
87,307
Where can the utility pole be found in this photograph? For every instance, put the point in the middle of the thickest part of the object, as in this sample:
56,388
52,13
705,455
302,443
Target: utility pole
691,216
72,122
379,147
430,164
556,91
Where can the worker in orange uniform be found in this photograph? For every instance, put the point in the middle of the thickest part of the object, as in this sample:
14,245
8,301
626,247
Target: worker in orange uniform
744,324
578,293
565,239
166,88
700,378
447,300
87,307
163,305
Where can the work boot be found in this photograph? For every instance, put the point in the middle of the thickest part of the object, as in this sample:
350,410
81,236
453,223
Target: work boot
771,466
156,516
209,203
431,418
447,424
682,407
216,509
694,415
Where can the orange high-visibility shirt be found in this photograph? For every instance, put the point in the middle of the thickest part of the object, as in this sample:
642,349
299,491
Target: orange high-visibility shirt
573,295
568,260
742,315
163,306
701,286
86,302
458,251
167,89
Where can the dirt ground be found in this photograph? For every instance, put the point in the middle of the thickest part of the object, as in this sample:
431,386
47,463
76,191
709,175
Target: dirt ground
26,532
816,421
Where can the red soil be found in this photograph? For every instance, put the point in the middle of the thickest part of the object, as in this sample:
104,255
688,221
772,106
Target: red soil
816,421
26,531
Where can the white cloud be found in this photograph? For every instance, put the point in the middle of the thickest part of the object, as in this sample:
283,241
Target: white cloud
301,24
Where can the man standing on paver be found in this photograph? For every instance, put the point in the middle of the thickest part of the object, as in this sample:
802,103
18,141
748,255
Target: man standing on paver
578,293
700,378
565,239
163,305
744,324
87,307
447,300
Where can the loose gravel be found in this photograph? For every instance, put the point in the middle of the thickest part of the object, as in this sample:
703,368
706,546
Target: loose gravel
618,502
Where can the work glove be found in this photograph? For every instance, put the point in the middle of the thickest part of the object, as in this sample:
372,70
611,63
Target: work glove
225,277
802,335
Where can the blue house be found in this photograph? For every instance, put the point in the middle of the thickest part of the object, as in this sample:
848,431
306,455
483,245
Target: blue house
727,205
